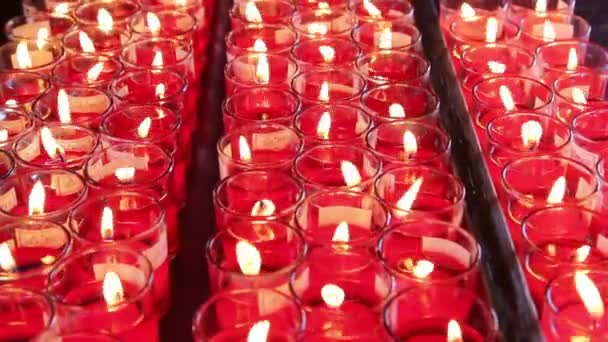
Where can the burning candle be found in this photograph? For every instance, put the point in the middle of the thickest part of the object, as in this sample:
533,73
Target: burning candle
259,69
568,57
86,70
537,29
451,11
399,101
106,15
169,24
325,53
387,10
36,55
521,8
13,125
323,22
19,89
331,86
61,7
274,39
579,92
25,313
382,67
247,12
95,39
386,35
320,4
38,26
588,135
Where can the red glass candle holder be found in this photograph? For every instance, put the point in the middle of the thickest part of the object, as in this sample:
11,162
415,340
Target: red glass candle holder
332,86
13,125
24,313
430,252
92,39
558,240
386,35
258,147
538,29
19,89
382,67
337,167
334,288
427,312
323,22
333,124
231,315
21,27
450,10
399,101
557,58
579,92
588,135
51,335
232,256
35,55
479,29
260,105
342,220
500,95
42,194
259,69
387,10
65,7
416,192
256,195
277,39
7,164
538,182
85,106
521,8
124,307
516,135
55,146
88,13
86,70
248,12
400,143
601,168
325,53
320,4
172,24
136,221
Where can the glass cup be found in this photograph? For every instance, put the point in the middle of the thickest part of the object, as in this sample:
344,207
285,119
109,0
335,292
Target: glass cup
245,13
174,24
323,22
387,35
20,89
579,92
87,14
14,124
536,29
387,66
568,57
24,313
100,41
278,39
259,69
389,10
86,70
330,86
21,27
38,55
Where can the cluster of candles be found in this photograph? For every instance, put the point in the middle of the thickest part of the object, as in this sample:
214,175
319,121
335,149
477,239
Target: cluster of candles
536,88
98,107
338,216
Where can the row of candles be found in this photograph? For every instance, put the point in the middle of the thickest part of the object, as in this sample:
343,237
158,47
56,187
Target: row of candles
98,108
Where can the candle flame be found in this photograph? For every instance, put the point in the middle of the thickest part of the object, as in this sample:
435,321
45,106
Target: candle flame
263,207
558,191
507,98
572,60
41,37
317,28
107,224
385,41
324,126
24,60
531,133
396,111
423,269
36,199
466,11
259,332
541,6
181,3
112,290
94,72
410,146
11,102
350,173
579,96
497,67
153,23
259,46
332,295
491,30
157,61
406,202
63,107
454,332
252,13
3,135
160,90
86,44
105,22
323,5
582,253
371,9
342,233
324,92
328,53
549,31
144,127
52,148
7,261
125,174
62,8
248,258
590,295
262,69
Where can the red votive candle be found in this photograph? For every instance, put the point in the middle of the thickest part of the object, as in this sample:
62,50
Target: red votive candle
42,194
130,219
341,293
325,53
13,125
232,315
399,101
106,289
466,32
430,252
259,69
386,35
538,29
341,220
259,105
323,22
79,105
37,26
258,147
257,254
337,167
86,70
30,248
254,196
429,312
399,143
24,313
93,39
165,24
579,92
532,183
415,192
382,67
55,146
452,10
333,124
557,58
320,4
589,136
382,10
65,7
107,15
245,12
331,86
35,55
52,335
19,89
520,8
274,39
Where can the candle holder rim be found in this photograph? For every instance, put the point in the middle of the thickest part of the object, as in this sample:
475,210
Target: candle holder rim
31,123
583,115
40,297
403,85
182,89
231,113
424,62
228,74
234,12
600,168
183,14
153,5
336,40
9,26
353,5
37,113
603,74
91,337
415,39
11,163
231,36
517,30
174,128
124,35
360,112
354,73
569,42
187,46
298,14
569,18
508,46
84,55
91,3
513,77
56,49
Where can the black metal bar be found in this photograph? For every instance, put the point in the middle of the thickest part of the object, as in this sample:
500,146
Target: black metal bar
505,283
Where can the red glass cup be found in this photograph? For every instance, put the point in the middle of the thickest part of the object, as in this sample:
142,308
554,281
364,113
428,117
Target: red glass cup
13,125
84,304
399,143
196,8
431,311
232,256
320,4
31,247
538,29
325,53
387,10
55,146
278,40
521,8
341,293
342,220
42,194
105,42
558,240
399,101
451,10
477,30
263,195
382,67
600,169
420,192
24,313
52,335
230,316
567,57
323,22
588,136
430,252
37,55
86,70
331,86
579,92
248,12
501,95
387,35
21,27
87,14
172,24
522,134
332,124
65,7
136,221
260,105
337,167
259,69
20,89
7,164
538,182
87,106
